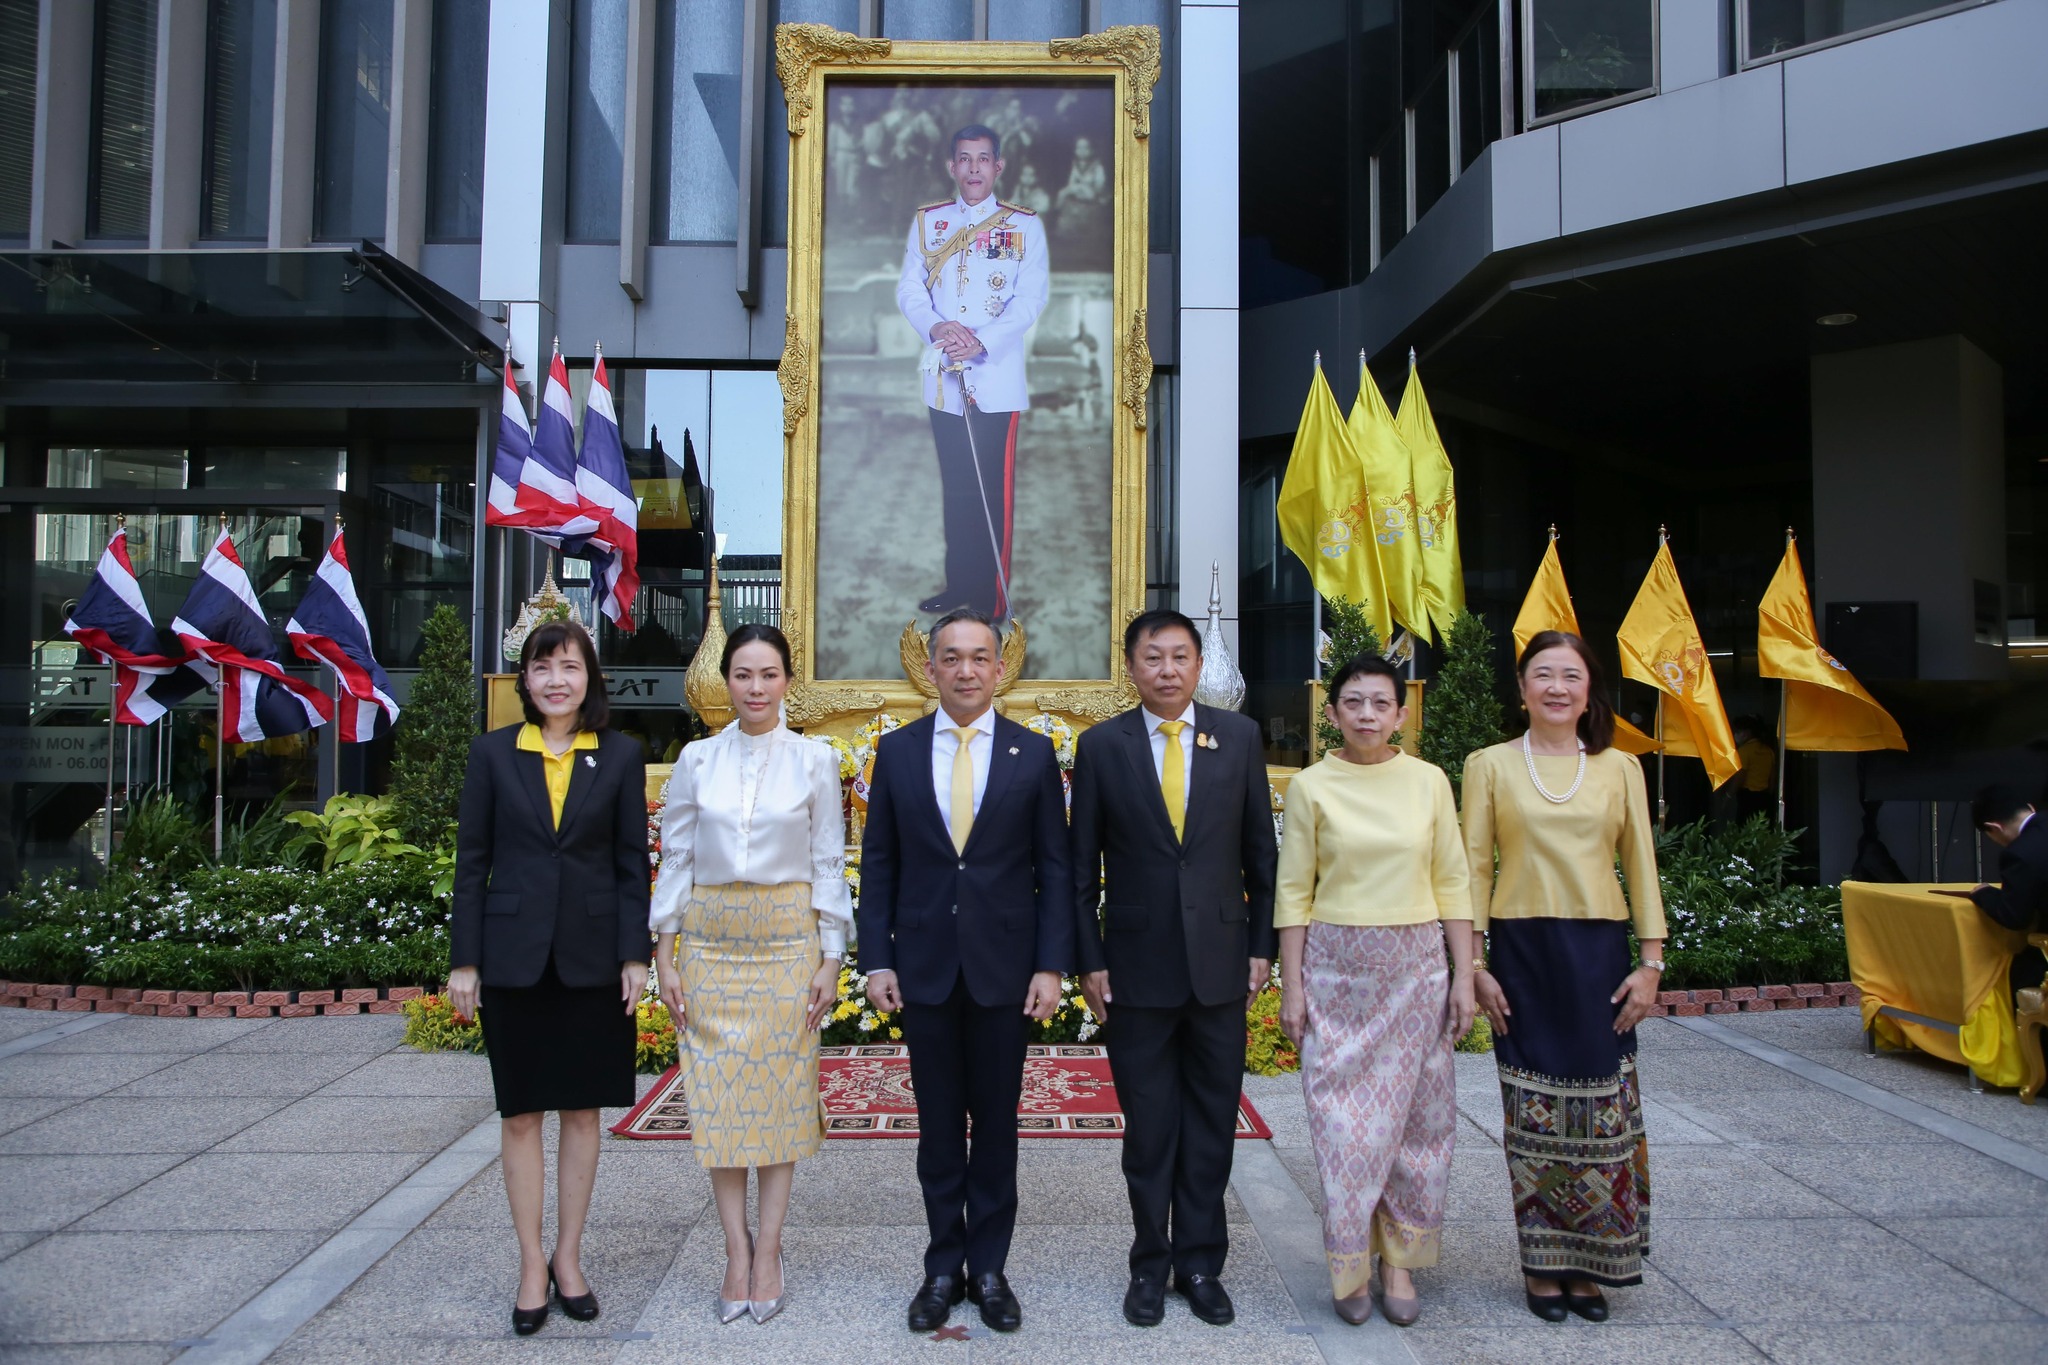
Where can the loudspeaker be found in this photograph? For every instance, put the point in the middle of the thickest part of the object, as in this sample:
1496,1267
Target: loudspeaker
1876,640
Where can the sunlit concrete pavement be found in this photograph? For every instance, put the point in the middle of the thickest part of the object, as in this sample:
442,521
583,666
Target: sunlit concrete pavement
310,1190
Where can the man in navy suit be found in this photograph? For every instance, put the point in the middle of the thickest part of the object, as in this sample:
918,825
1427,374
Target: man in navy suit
966,923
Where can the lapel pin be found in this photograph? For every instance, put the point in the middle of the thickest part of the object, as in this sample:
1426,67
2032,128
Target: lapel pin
1013,749
589,761
1206,741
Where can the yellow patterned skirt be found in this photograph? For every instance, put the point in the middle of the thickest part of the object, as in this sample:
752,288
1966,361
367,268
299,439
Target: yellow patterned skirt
750,1068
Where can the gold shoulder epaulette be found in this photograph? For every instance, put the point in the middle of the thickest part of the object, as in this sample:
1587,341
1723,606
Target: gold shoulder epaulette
927,208
1015,208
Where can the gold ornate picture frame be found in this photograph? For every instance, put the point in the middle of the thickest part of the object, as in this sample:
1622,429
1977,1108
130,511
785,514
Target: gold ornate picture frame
819,66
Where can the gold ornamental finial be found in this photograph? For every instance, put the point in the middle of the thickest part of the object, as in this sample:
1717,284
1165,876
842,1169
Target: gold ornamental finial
704,683
1553,532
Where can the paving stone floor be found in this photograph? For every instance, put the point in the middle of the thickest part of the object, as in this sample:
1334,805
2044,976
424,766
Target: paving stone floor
157,1176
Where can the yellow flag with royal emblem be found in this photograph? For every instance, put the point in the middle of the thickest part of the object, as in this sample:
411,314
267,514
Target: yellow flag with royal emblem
1390,495
1434,507
1661,645
1826,709
1324,512
1549,607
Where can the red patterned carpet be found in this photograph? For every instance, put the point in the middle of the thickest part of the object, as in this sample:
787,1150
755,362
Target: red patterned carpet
866,1090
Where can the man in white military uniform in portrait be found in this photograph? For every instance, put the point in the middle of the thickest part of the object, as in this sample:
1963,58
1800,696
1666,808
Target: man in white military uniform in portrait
975,278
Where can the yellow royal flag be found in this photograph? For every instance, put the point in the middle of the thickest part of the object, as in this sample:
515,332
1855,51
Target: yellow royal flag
1323,510
1549,607
1435,508
1826,709
1390,486
1660,645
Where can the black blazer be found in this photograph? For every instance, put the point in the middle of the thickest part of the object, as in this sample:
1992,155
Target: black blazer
524,889
997,911
1180,917
2022,902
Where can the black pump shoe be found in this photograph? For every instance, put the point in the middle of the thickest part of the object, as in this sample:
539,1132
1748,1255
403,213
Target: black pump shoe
1592,1307
527,1321
1549,1307
582,1307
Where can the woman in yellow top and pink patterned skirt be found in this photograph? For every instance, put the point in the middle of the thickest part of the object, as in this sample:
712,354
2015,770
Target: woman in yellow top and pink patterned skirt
1559,805
1370,870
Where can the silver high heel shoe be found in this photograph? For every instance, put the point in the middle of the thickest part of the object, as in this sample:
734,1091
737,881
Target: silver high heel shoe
732,1310
765,1309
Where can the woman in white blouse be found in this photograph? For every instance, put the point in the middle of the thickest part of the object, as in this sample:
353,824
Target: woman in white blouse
753,889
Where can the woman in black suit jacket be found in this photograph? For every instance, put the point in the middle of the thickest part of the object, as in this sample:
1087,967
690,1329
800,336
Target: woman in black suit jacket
550,942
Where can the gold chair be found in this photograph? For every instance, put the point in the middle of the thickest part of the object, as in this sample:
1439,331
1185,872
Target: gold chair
2030,1012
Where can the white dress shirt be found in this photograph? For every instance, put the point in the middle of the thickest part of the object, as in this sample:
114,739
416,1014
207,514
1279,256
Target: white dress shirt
1187,746
762,809
980,748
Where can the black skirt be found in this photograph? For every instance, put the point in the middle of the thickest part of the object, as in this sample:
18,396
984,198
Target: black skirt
558,1047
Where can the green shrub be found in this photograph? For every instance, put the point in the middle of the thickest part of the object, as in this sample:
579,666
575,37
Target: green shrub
432,1025
430,747
351,829
1732,917
162,835
1461,714
1351,634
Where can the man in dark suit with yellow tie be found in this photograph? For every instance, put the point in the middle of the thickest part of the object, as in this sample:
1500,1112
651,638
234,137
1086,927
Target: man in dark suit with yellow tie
966,925
1172,814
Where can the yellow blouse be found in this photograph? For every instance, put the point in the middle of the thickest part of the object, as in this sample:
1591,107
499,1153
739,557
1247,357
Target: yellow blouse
1557,860
1370,843
556,766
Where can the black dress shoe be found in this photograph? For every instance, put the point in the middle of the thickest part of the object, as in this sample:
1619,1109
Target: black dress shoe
527,1321
1592,1307
1549,1307
999,1307
1144,1302
934,1301
582,1307
1205,1295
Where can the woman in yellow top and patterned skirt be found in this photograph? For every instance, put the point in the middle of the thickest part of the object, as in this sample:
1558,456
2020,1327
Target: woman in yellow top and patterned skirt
1370,869
753,887
1559,805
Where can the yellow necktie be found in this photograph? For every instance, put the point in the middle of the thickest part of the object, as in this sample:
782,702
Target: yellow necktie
963,789
1173,777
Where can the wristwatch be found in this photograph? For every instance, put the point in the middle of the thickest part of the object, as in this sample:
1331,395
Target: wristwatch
1655,964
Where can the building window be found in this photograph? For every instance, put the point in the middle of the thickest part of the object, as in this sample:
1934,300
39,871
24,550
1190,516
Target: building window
102,467
455,121
597,118
1581,55
695,185
1479,86
1036,21
355,119
1772,29
123,120
840,14
1432,142
938,19
241,64
17,114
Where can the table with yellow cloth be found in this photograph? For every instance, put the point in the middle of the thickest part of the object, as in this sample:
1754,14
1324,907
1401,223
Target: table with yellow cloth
1915,952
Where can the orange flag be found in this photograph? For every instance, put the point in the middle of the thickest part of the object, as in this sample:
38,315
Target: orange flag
1661,645
1549,607
1826,709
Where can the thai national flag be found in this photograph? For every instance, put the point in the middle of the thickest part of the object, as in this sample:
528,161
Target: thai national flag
113,621
330,627
222,623
533,473
606,488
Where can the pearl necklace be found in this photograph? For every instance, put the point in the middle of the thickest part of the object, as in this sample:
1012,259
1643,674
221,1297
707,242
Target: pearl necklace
1529,759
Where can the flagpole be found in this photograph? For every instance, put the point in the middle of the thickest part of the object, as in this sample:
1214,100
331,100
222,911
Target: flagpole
1784,719
220,743
339,693
1663,538
113,697
1315,600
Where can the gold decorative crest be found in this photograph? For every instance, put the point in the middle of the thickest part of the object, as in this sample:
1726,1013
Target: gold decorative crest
799,47
1134,375
915,651
1135,47
1092,704
793,373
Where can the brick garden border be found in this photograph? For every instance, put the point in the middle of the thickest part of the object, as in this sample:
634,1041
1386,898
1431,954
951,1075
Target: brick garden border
391,1000
207,1004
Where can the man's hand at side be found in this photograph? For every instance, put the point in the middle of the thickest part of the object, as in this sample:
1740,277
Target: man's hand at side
883,993
1043,997
1095,990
